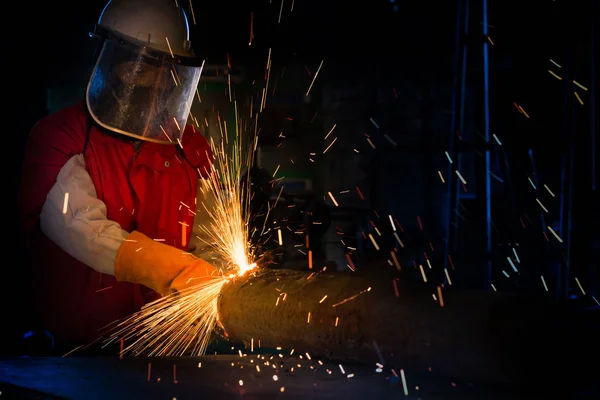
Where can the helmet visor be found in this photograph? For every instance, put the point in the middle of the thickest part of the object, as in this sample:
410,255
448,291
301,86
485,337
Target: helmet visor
142,93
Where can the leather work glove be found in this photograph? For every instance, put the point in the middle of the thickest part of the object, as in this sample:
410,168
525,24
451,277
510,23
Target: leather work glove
162,268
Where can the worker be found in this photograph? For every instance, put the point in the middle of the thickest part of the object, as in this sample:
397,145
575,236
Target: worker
108,188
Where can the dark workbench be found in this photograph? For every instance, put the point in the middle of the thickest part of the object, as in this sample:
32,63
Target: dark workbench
218,377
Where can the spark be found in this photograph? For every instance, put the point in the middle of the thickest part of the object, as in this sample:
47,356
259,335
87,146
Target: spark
396,263
169,46
314,78
350,263
330,144
280,12
332,198
389,139
554,234
350,299
371,143
555,63
441,176
579,285
497,140
173,324
461,177
373,241
192,11
404,386
541,205
398,239
441,298
549,191
516,255
423,273
554,75
392,222
580,86
448,276
183,323
331,130
512,264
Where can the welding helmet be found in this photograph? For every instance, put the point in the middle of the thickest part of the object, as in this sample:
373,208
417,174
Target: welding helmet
146,74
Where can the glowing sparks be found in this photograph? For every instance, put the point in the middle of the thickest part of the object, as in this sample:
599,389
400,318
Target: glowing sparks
329,146
373,241
314,78
554,234
464,182
441,298
183,323
350,299
404,386
169,46
579,286
549,191
441,176
173,325
554,75
579,85
331,130
332,198
228,226
423,273
392,222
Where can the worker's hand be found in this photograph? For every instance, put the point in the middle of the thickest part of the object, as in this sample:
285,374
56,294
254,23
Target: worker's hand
163,268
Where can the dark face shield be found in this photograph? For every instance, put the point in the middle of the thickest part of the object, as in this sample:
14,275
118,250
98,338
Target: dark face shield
141,93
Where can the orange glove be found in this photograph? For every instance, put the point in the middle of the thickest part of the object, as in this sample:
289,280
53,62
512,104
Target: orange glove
162,268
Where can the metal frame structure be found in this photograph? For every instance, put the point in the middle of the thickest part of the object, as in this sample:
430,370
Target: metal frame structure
568,136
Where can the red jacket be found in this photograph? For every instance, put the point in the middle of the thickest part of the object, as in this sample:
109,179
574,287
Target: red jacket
148,190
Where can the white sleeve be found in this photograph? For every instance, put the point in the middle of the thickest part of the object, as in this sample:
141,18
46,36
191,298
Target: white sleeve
75,219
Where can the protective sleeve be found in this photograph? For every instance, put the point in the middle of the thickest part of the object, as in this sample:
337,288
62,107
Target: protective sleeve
75,219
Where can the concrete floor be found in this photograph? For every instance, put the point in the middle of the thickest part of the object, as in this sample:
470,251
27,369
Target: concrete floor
219,377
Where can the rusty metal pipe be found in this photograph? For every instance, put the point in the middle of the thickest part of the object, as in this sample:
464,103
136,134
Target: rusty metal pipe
362,319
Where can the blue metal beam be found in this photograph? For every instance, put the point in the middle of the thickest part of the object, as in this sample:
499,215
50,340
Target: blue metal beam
486,115
453,118
593,108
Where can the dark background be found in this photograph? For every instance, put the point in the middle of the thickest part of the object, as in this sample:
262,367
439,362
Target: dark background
395,60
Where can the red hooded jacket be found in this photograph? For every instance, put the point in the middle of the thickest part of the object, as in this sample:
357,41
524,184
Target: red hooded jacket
151,189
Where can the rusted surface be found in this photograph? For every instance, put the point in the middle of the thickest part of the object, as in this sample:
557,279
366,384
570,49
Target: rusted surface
288,309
